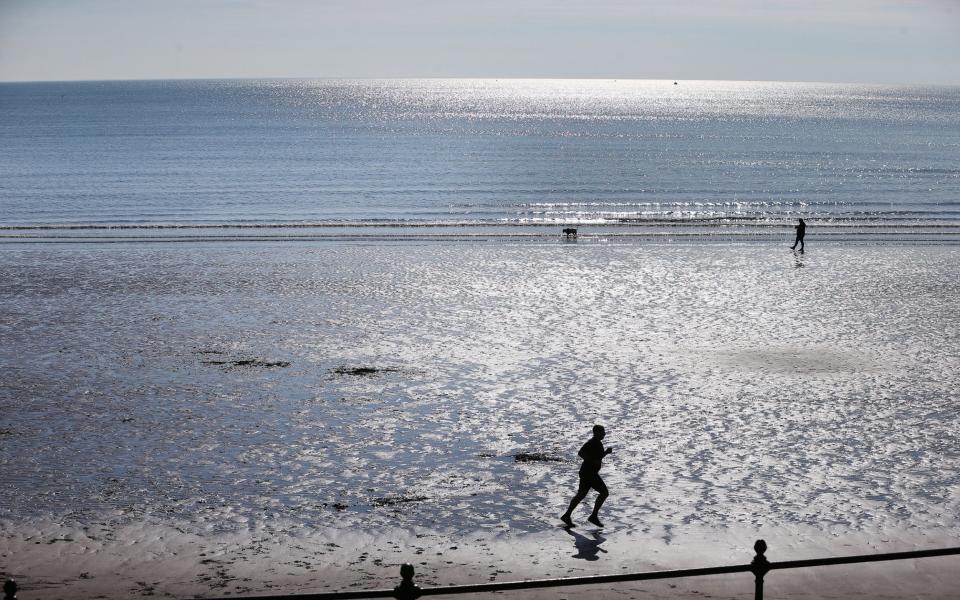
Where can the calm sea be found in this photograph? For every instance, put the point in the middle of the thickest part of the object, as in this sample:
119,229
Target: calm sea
387,158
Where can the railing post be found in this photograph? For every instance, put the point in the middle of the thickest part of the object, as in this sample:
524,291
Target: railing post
760,566
407,590
10,590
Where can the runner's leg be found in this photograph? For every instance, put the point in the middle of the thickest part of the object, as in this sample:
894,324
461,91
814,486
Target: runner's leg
602,494
585,485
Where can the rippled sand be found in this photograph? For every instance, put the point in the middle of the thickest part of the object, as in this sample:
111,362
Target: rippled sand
275,396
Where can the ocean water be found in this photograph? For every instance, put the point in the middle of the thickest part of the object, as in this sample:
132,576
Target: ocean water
380,158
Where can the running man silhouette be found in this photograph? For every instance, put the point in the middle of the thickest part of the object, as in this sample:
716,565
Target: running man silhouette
801,230
592,454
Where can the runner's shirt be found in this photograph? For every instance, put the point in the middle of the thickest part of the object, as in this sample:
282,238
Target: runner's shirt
592,454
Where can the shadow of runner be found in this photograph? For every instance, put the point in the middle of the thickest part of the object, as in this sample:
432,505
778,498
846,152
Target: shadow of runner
587,548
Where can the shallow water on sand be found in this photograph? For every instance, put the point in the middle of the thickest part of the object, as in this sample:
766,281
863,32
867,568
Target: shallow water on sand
215,387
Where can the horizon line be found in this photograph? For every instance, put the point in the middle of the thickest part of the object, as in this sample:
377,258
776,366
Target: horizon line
469,78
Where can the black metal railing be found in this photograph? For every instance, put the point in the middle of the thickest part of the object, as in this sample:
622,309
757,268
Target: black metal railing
759,566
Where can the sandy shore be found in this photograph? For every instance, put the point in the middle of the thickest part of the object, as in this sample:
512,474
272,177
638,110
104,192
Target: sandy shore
204,421
142,559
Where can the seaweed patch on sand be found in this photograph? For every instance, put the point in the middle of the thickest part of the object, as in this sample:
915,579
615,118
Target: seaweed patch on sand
395,500
209,351
248,362
363,371
525,457
257,363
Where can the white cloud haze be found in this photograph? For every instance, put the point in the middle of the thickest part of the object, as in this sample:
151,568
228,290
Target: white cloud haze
882,41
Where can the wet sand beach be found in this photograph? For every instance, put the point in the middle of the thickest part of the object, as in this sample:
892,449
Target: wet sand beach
198,420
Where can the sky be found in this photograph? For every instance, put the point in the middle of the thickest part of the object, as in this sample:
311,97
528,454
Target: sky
857,41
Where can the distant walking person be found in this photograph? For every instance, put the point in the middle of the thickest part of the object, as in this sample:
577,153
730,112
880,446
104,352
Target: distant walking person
801,229
592,454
